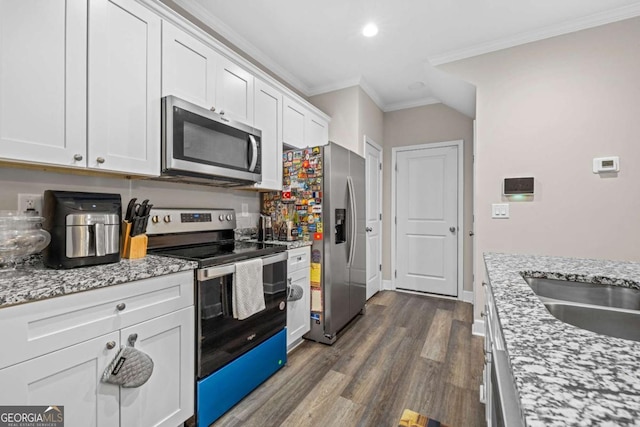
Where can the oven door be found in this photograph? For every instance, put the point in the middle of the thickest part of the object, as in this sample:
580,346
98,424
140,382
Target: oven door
199,141
221,338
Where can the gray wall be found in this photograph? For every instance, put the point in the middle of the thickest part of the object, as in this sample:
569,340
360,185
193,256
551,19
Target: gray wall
546,109
422,125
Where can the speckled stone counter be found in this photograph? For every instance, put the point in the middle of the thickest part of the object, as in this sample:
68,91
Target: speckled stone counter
565,376
36,282
290,245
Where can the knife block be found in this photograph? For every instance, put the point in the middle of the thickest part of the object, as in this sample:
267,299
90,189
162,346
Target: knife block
132,247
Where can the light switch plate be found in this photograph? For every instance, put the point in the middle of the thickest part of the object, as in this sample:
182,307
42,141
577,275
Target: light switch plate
500,210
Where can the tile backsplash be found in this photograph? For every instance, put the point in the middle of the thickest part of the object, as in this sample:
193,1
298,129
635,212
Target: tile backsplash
162,194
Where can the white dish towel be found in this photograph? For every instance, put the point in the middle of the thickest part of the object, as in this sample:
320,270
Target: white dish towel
248,294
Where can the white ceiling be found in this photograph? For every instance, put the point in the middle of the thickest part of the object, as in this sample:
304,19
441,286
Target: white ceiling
317,47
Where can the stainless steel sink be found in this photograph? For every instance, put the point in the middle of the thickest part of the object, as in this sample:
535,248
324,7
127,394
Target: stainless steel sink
586,293
615,323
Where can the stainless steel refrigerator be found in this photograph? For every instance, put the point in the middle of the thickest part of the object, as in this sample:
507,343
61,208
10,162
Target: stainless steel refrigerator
343,248
323,200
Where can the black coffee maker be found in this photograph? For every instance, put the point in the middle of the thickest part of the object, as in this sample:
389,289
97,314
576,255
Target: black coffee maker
84,228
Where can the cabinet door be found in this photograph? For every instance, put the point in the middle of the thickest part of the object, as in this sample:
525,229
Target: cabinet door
71,378
124,87
234,91
317,131
188,67
298,312
268,118
293,123
167,399
43,81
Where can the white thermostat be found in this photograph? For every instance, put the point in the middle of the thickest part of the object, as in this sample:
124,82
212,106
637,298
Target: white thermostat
606,164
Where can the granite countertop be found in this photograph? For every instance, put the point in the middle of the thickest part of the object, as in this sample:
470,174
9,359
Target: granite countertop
35,282
565,376
290,245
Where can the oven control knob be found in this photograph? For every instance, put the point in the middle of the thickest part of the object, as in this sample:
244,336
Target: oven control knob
167,218
155,219
229,217
282,305
221,217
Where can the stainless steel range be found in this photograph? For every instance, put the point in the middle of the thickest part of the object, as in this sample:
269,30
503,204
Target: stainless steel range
232,356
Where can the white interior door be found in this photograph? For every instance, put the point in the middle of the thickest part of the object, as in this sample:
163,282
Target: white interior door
427,215
373,155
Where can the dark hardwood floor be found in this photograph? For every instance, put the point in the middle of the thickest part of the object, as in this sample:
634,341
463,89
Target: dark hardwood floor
407,352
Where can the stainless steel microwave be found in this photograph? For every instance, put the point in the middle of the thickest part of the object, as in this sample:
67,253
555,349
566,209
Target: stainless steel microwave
204,147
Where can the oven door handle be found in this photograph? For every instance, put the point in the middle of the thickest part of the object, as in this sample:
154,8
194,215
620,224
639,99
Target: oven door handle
223,270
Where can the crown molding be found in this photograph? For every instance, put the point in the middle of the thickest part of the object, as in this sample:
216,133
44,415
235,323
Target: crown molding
411,104
594,20
200,12
331,87
344,84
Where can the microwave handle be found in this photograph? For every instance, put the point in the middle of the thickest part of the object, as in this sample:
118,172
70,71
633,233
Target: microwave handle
254,153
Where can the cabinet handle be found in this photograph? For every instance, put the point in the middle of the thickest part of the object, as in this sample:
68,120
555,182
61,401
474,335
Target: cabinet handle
213,109
78,157
299,258
111,345
100,160
121,306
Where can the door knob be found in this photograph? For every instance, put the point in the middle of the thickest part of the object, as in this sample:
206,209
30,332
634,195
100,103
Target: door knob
452,229
368,229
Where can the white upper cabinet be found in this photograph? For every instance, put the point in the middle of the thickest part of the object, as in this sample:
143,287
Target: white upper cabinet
43,67
188,67
293,124
302,127
234,91
268,118
124,87
317,130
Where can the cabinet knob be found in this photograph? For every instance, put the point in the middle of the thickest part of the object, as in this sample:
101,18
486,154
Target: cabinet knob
78,157
452,229
212,109
111,345
471,233
368,229
221,112
121,306
482,314
484,283
100,160
290,280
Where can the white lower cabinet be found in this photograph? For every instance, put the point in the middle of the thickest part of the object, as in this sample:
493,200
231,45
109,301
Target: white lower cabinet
71,378
298,312
159,312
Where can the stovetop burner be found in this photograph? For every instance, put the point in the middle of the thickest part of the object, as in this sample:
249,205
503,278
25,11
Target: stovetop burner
217,253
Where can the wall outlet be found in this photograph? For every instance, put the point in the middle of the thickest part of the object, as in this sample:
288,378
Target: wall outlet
30,203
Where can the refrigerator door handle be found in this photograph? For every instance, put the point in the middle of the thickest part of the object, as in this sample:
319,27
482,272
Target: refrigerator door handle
352,208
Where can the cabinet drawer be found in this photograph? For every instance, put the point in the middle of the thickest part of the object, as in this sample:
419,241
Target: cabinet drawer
44,326
298,258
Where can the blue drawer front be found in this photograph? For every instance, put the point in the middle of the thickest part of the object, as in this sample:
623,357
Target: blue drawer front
224,388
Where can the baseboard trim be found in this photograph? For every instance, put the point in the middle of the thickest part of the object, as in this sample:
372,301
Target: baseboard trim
478,327
467,296
387,285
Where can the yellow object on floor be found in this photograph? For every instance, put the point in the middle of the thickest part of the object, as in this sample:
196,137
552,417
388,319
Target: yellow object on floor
414,419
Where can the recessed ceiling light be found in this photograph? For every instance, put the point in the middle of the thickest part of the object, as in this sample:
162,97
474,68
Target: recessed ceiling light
370,30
